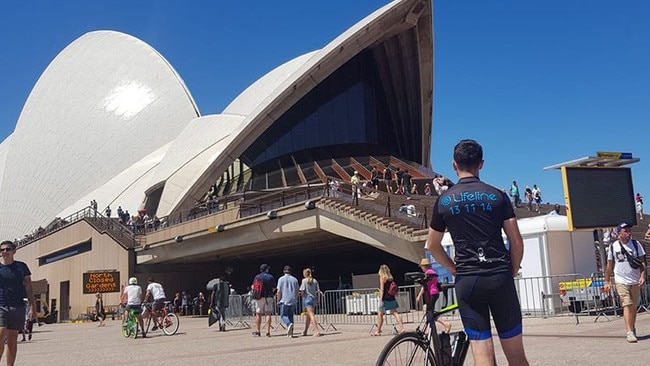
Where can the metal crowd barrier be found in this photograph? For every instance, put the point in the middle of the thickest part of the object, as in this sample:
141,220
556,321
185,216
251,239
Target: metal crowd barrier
360,306
566,295
239,313
572,295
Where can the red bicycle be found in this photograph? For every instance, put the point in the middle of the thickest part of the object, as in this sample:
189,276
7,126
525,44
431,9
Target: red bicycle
163,319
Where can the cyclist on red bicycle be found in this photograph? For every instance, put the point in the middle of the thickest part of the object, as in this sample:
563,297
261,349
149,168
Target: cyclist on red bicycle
156,295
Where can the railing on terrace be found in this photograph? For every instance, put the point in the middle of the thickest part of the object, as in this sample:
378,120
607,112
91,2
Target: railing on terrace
249,203
101,223
255,202
380,203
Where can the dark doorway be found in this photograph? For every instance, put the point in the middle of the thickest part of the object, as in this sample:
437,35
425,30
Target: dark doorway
64,297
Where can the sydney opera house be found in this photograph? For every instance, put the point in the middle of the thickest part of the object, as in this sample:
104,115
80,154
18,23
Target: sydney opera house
111,120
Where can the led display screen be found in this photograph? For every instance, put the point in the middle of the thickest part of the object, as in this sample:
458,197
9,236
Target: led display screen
598,197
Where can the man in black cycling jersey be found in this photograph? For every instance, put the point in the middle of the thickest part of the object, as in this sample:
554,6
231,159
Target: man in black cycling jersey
474,213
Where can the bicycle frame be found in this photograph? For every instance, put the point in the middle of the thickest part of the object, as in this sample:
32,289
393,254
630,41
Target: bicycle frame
163,319
456,357
130,326
157,316
424,345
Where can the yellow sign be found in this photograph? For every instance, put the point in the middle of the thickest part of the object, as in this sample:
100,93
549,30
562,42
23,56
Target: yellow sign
613,155
606,154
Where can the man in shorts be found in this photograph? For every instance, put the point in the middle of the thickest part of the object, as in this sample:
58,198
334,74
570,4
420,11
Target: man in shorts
475,213
628,280
133,294
266,303
15,285
156,295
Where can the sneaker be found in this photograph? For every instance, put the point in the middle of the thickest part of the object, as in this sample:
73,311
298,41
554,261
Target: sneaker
631,338
268,334
290,331
29,337
256,334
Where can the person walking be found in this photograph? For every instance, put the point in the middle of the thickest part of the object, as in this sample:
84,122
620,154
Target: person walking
483,267
625,259
310,291
15,285
387,301
99,309
287,296
265,304
430,293
29,324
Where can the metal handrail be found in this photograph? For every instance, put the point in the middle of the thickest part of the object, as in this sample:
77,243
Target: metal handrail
121,234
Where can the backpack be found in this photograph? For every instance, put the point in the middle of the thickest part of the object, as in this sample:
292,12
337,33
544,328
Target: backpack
257,288
392,289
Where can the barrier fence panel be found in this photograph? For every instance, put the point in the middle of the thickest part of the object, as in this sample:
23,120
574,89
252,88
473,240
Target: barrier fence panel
544,296
239,311
360,306
572,294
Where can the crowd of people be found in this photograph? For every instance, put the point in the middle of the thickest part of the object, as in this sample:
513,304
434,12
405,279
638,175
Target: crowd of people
532,196
286,292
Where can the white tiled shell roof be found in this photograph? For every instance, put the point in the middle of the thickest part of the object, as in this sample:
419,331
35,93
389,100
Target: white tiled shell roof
104,103
190,156
110,118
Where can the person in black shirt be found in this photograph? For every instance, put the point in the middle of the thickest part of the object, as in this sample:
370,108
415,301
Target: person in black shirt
474,213
15,285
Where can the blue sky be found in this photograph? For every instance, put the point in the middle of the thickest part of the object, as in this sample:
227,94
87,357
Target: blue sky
536,83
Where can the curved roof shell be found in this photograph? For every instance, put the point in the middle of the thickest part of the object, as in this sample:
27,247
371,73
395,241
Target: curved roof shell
117,97
110,119
266,101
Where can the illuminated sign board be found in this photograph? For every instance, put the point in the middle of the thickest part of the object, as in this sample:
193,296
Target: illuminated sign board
101,281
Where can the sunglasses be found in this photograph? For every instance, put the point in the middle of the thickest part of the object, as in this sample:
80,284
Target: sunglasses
7,249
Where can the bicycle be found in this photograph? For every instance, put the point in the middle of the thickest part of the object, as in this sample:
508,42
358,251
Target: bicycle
425,346
130,325
167,321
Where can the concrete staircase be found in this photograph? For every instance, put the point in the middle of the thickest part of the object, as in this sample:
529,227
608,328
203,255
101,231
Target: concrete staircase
374,216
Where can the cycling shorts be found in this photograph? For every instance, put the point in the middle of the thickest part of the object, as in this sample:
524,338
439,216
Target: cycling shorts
482,295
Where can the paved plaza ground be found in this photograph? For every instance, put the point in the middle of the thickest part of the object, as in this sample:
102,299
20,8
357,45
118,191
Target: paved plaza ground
553,341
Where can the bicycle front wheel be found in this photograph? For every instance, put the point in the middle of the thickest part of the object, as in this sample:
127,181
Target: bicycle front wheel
126,331
133,328
170,324
406,349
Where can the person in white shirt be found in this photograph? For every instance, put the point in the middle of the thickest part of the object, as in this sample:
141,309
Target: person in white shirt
626,259
155,295
133,294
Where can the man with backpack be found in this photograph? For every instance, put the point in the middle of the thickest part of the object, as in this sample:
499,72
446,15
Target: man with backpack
626,259
262,291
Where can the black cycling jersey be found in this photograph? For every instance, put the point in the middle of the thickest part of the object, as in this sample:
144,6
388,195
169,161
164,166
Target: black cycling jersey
474,212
